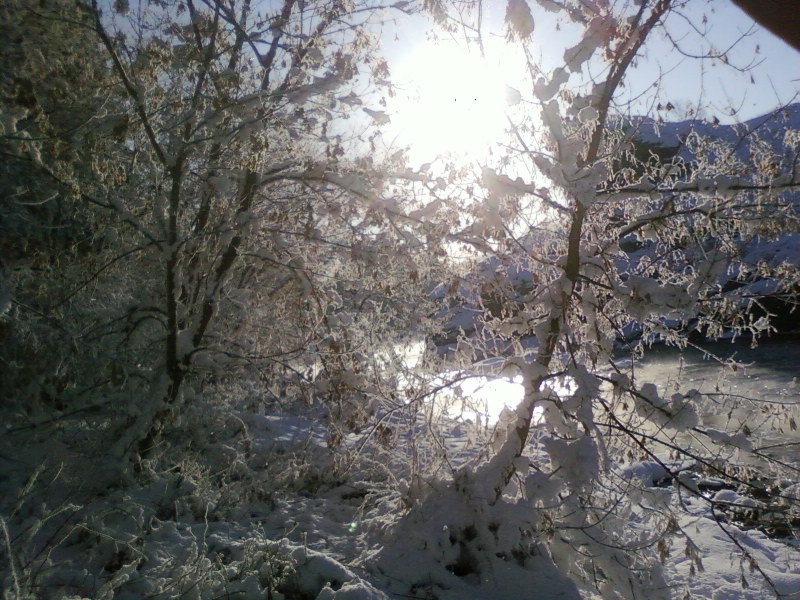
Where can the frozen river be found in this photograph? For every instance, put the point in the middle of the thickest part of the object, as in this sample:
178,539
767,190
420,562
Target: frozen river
765,380
762,380
770,371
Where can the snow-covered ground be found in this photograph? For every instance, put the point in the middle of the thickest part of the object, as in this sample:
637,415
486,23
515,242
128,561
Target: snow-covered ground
265,509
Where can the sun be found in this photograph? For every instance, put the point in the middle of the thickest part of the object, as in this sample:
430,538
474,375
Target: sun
452,100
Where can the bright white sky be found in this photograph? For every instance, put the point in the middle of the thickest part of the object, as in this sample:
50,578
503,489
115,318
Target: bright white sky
452,101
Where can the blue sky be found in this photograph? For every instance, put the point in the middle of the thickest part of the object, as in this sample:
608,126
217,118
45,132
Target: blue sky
706,86
775,77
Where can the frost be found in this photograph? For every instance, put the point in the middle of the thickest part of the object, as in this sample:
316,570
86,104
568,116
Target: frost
354,183
546,89
519,19
646,296
320,85
577,55
708,271
550,5
649,392
576,462
738,440
595,35
352,590
9,117
683,412
731,497
588,114
679,413
552,118
501,185
541,487
646,473
185,343
351,99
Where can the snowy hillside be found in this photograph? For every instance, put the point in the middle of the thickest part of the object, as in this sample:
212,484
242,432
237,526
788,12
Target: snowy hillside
771,126
764,147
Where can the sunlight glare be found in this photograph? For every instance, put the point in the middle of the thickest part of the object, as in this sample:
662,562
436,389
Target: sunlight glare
485,398
492,396
451,100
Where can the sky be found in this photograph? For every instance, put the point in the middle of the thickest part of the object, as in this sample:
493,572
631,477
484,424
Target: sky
775,74
763,73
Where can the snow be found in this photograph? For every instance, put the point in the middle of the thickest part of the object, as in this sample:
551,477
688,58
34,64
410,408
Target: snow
287,525
725,553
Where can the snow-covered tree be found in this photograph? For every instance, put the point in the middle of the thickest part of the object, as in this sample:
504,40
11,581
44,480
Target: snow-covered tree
635,242
50,91
240,199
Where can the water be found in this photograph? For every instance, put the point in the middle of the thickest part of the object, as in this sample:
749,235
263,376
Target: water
761,382
768,372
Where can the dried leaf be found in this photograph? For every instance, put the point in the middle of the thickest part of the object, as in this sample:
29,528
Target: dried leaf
380,117
519,20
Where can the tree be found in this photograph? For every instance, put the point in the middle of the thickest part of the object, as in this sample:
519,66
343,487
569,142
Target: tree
235,221
247,217
564,484
50,92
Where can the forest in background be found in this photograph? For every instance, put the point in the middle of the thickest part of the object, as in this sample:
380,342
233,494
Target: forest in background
204,236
